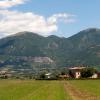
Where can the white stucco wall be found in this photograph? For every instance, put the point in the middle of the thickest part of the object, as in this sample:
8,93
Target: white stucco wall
77,74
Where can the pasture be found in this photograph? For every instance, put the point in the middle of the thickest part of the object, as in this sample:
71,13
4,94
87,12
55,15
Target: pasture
49,90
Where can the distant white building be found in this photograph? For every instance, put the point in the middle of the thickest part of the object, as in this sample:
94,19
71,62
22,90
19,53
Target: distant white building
76,71
48,75
94,75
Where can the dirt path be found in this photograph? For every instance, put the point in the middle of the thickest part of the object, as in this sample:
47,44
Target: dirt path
77,94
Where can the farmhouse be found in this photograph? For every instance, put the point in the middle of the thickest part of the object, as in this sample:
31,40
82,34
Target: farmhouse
75,72
48,75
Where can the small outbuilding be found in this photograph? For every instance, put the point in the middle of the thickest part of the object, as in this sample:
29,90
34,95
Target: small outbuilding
64,76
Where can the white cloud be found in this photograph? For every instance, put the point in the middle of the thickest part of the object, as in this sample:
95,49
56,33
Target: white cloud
12,22
63,17
10,3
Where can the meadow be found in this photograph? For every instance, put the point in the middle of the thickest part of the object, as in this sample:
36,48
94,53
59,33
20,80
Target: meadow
49,90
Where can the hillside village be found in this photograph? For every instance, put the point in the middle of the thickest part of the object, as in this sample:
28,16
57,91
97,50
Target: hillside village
66,73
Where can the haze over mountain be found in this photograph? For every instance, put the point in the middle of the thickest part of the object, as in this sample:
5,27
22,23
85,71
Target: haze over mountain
26,48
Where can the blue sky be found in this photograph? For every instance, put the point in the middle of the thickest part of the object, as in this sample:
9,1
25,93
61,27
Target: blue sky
82,14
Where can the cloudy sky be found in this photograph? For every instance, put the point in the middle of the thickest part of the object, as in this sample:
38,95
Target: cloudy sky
47,17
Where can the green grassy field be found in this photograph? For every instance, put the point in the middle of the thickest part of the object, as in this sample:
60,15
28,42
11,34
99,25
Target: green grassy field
90,86
49,90
32,90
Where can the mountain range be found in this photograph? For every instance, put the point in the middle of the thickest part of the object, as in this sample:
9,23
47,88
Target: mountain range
29,49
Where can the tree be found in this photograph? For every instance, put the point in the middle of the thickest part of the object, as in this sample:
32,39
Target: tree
87,72
42,76
71,74
63,73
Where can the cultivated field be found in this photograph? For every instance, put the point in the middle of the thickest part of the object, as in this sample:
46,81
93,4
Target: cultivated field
49,90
